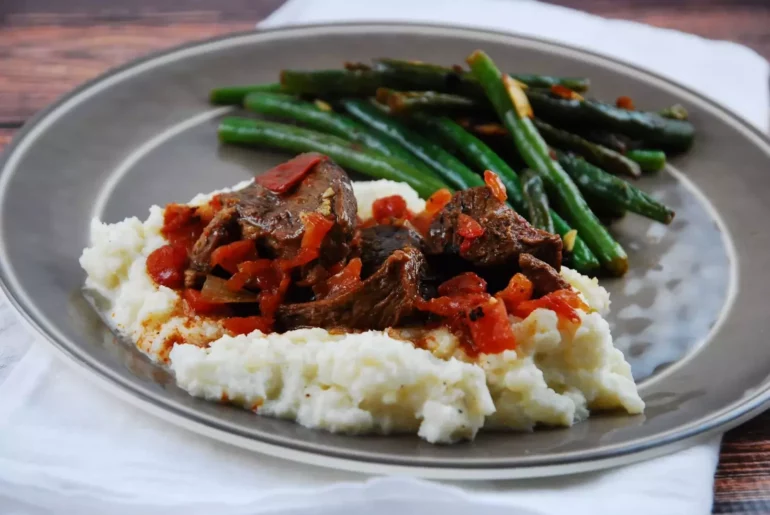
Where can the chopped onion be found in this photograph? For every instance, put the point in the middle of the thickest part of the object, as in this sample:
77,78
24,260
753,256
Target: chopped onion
215,290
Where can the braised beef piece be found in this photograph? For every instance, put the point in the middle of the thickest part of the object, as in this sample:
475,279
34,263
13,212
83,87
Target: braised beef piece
506,234
275,221
221,230
378,242
545,279
383,300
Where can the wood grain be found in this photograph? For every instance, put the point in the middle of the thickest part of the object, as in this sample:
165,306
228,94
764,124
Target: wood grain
48,47
33,72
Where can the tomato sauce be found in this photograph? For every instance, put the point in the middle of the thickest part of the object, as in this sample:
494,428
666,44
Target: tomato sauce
246,325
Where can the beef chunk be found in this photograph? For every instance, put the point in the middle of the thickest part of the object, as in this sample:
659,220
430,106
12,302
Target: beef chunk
545,279
275,221
221,230
381,301
380,241
506,234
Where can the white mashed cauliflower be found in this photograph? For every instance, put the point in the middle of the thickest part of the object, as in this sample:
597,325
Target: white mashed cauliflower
368,382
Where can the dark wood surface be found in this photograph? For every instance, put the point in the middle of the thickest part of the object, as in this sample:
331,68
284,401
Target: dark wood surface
48,47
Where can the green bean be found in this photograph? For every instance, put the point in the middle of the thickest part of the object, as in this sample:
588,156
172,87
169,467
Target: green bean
329,122
613,190
234,95
604,207
360,81
347,154
580,256
603,157
652,128
649,160
535,152
476,153
613,141
537,201
447,75
448,167
428,102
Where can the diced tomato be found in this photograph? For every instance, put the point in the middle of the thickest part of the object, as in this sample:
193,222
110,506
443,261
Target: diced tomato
519,290
166,266
286,175
270,299
246,325
467,227
389,210
625,103
316,228
495,185
490,329
564,92
452,306
260,273
181,225
198,306
467,282
229,256
345,280
437,201
421,222
563,302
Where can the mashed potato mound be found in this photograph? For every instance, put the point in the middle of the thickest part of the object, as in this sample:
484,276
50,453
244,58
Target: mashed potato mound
371,382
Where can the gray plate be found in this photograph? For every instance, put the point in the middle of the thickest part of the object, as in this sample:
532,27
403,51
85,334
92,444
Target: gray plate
690,315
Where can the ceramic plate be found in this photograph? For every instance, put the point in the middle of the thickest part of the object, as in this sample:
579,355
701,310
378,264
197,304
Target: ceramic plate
690,315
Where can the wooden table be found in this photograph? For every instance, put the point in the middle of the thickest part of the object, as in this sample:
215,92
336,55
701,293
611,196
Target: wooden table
48,47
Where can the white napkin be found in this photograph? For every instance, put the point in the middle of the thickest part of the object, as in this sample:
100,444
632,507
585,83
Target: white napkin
66,447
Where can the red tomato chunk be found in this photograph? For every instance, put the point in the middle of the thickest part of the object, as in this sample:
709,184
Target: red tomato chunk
495,185
166,266
519,290
198,306
316,228
181,225
344,281
625,103
563,302
286,175
230,256
490,329
467,282
388,210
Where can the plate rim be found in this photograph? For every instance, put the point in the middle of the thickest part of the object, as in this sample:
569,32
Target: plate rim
574,461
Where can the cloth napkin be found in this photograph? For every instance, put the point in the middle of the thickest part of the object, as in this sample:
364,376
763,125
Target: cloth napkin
67,447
